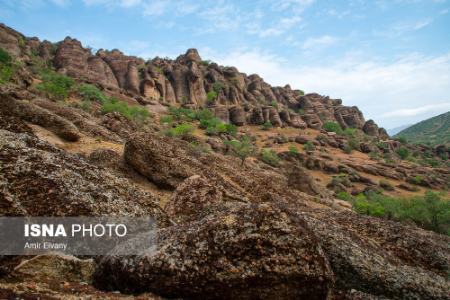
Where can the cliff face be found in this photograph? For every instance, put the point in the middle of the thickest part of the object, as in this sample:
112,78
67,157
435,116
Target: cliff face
189,81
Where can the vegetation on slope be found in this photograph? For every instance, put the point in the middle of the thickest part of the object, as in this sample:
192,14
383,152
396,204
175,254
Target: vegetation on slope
433,131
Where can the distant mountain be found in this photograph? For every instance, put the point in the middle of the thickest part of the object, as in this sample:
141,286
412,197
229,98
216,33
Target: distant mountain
433,131
395,130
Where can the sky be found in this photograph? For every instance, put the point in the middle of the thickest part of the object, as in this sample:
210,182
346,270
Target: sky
389,58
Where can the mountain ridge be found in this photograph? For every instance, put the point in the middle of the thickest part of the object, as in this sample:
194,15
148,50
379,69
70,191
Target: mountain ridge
432,131
234,97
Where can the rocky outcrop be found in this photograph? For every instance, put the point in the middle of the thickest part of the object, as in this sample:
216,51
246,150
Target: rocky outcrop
370,128
187,80
40,116
247,251
51,182
383,258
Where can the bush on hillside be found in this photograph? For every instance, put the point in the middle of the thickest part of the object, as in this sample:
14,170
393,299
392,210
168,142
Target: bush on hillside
332,127
181,130
403,152
89,92
429,211
130,112
269,156
54,85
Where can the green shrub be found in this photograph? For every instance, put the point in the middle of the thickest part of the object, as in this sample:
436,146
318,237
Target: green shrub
204,114
205,62
403,152
309,146
166,119
293,150
180,113
428,211
55,85
274,104
241,149
180,130
130,112
215,127
270,157
5,58
266,126
332,127
90,92
301,92
218,87
344,196
7,68
211,97
349,131
402,140
418,179
301,112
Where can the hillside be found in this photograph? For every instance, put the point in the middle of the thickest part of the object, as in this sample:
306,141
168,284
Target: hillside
395,130
257,192
433,131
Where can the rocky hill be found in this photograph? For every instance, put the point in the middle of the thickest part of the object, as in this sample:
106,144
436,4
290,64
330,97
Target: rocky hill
433,131
258,192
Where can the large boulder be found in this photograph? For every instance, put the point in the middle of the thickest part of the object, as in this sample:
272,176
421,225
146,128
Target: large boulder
51,182
191,198
383,258
40,116
370,128
244,251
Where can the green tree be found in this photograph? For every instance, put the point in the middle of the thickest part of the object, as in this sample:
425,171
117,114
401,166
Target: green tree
240,148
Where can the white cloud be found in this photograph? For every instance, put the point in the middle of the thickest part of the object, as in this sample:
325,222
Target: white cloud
412,112
378,88
319,42
280,27
402,28
156,8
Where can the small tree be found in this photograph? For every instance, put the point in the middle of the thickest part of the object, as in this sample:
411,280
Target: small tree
241,149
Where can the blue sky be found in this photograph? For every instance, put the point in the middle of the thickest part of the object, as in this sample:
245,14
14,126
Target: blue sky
390,58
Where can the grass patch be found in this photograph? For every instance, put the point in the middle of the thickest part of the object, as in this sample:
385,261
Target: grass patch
129,112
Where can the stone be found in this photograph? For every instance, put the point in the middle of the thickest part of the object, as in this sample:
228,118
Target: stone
244,251
55,266
237,116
